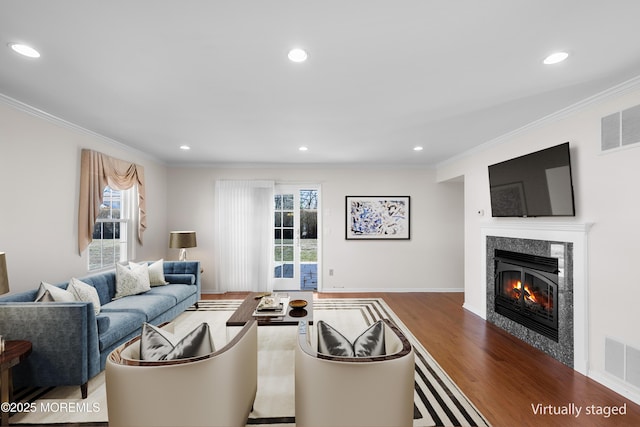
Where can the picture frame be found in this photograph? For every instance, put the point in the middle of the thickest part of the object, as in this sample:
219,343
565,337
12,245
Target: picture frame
378,217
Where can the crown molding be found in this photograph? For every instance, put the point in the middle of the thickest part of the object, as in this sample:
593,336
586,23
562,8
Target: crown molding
620,89
41,114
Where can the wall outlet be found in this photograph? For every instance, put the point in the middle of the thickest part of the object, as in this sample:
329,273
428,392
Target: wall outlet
331,272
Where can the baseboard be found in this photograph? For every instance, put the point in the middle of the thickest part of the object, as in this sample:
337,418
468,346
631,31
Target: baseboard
367,290
474,310
391,290
616,385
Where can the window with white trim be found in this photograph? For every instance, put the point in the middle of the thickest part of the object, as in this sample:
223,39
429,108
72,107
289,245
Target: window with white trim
110,244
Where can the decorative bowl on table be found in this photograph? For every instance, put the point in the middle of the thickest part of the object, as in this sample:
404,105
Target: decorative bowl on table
297,303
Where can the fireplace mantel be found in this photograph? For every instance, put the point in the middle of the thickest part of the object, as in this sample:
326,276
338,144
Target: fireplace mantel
539,226
572,232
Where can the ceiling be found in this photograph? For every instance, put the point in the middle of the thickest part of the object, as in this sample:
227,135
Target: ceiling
381,78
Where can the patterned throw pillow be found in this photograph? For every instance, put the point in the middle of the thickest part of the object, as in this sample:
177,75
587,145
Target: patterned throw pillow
370,343
131,281
156,272
51,293
84,292
158,344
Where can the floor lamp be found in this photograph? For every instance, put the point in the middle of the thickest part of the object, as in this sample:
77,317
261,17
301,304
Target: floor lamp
182,240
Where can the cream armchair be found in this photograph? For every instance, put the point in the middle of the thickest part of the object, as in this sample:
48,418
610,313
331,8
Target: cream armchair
213,390
351,391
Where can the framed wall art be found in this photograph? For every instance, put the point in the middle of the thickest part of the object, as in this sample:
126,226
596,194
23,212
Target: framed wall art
378,217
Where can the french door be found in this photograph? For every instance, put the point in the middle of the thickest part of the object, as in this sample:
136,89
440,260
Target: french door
296,237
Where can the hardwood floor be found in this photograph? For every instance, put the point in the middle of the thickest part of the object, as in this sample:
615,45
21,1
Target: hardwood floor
504,377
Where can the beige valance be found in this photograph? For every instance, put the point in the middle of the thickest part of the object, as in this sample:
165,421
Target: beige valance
98,170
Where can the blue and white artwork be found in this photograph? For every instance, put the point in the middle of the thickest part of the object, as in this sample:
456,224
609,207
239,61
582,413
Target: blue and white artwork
377,217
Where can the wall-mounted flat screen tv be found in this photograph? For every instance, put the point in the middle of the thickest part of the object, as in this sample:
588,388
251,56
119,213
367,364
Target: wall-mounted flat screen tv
536,184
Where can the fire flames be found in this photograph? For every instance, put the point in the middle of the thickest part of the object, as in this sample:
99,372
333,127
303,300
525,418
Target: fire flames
530,297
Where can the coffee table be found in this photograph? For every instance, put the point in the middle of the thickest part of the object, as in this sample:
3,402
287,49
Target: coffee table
244,313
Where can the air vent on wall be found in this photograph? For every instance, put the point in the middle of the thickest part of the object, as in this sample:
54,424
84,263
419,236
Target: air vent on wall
620,129
622,361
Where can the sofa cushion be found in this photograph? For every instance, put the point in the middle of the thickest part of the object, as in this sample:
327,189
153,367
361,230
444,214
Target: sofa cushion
177,292
151,306
369,343
103,323
187,279
131,281
121,325
84,292
158,344
48,293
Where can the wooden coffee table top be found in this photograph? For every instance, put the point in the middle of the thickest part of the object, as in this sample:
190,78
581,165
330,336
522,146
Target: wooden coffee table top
244,313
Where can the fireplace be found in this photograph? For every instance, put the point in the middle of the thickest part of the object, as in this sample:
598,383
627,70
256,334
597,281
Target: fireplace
566,243
526,290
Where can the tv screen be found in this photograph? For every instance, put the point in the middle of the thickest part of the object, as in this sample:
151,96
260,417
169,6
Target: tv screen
536,184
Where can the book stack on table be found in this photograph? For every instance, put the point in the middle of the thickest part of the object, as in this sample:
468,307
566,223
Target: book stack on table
272,305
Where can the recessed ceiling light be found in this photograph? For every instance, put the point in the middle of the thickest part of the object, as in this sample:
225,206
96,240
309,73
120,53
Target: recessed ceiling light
418,148
185,147
24,50
303,148
556,57
297,55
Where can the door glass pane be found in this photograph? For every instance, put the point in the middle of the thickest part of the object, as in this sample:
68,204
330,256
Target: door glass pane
284,271
308,239
284,222
287,253
287,219
287,202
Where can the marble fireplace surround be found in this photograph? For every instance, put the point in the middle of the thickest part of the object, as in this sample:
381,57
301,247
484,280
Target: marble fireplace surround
577,235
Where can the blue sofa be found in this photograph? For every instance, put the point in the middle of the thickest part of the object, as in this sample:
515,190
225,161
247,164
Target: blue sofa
71,343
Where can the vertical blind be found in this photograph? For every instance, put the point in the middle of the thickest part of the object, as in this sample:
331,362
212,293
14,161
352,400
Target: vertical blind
244,235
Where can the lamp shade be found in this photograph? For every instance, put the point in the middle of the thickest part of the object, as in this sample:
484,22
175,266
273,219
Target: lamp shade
4,278
182,239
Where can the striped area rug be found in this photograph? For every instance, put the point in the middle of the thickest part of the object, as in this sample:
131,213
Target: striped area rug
437,402
437,399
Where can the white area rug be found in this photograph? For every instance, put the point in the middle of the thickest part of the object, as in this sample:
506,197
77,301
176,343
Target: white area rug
438,401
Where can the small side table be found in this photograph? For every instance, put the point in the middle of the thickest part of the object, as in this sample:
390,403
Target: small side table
14,353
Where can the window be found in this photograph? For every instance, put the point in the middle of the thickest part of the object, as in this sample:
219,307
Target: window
110,243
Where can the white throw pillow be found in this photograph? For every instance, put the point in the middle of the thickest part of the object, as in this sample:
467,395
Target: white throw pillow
156,272
55,293
84,292
131,281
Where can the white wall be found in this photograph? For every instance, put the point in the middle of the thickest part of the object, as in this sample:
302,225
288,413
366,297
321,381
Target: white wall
606,195
39,182
431,260
39,185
